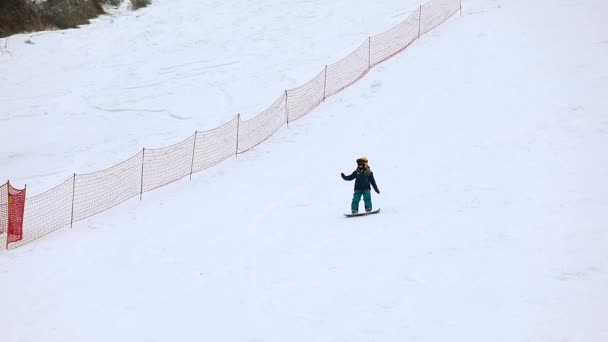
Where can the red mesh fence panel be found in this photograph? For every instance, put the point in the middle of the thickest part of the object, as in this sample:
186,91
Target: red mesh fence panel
259,128
47,212
215,146
98,191
303,99
3,208
16,205
166,165
393,41
348,70
436,12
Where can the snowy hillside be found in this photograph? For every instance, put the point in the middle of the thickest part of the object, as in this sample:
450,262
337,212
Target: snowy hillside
94,96
487,138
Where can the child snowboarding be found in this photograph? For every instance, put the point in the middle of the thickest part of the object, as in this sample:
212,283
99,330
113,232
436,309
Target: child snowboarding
364,177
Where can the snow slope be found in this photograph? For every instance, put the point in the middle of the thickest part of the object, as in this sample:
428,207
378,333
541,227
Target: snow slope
94,96
487,138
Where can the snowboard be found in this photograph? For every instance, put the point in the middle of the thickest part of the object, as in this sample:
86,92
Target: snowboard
363,213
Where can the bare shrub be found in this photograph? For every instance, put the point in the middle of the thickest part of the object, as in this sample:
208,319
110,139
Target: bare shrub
110,2
71,13
19,16
26,16
137,4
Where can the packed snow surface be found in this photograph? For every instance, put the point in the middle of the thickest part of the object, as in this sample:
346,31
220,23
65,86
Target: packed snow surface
487,138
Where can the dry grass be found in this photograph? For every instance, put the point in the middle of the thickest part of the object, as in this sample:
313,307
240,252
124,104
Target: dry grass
18,16
71,13
137,4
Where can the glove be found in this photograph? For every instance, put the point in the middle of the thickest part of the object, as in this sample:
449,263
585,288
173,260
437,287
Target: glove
343,175
378,192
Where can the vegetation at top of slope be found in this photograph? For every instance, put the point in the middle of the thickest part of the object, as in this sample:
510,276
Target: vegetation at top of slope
17,16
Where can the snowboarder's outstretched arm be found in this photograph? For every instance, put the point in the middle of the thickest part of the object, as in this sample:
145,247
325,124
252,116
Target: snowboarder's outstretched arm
372,180
349,177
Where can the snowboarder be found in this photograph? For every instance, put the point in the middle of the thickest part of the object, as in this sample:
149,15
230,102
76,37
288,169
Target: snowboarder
363,177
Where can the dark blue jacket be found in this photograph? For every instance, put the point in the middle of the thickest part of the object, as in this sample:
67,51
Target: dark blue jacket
363,179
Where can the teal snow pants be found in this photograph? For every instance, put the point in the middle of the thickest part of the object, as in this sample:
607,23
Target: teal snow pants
367,199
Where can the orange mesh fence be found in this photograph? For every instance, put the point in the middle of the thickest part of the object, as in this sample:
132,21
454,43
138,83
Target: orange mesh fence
436,12
85,195
393,41
214,146
3,214
3,208
303,99
47,212
16,205
166,165
259,128
348,70
99,191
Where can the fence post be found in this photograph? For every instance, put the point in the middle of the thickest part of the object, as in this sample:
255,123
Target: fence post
369,53
141,189
325,83
73,193
286,109
461,8
238,127
193,149
419,20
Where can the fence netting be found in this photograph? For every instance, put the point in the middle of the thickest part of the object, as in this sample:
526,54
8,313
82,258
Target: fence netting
259,128
3,208
3,214
166,165
16,207
214,146
99,191
47,212
436,12
393,41
88,194
348,70
303,99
